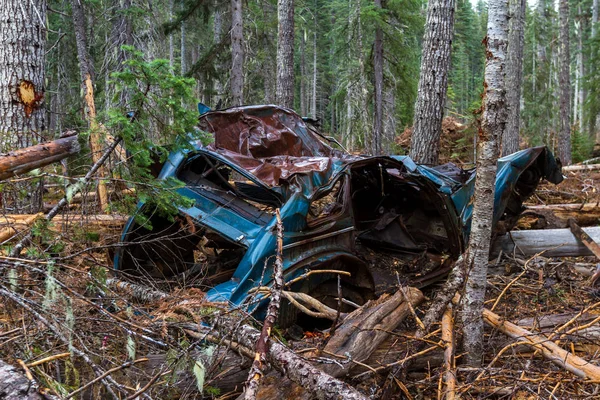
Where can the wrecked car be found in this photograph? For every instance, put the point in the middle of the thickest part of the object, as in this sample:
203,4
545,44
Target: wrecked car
383,219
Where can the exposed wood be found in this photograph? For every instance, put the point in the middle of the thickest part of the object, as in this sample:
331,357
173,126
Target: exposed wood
10,231
449,362
584,238
30,158
553,242
556,215
86,69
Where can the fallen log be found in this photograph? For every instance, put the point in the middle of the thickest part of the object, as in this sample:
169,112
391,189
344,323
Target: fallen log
361,333
90,219
10,231
552,242
586,167
30,158
556,215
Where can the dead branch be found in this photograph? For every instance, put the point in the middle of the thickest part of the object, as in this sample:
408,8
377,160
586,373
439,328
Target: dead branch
550,350
454,282
584,238
65,200
48,359
137,292
318,383
360,334
261,349
449,362
104,375
27,159
107,381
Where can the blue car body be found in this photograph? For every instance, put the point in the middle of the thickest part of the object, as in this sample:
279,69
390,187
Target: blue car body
382,219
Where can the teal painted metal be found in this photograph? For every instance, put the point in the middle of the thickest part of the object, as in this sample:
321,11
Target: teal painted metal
447,190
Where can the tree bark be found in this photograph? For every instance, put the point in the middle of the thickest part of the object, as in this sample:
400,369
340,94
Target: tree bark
514,76
360,334
29,158
22,88
433,82
237,54
564,135
303,91
491,130
376,140
594,18
184,67
22,73
86,69
313,101
285,53
15,386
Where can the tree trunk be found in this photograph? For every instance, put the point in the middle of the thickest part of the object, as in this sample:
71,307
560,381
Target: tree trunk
303,91
183,45
22,88
580,73
217,36
285,53
376,140
171,44
514,76
492,126
433,82
22,73
594,18
313,103
389,122
237,54
564,135
86,69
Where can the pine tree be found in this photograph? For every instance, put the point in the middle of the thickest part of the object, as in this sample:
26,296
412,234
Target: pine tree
433,82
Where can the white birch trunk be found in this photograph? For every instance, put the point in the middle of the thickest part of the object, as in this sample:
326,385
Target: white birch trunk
492,127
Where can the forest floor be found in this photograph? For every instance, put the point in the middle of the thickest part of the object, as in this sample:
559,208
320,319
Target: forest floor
139,332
